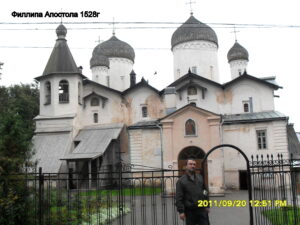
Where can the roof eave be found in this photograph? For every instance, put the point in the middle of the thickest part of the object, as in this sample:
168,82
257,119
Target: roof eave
253,121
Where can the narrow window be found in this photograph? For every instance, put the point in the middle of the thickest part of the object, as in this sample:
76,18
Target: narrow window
192,90
95,101
178,72
240,72
261,139
47,93
194,69
144,111
107,81
95,117
211,71
190,127
79,93
63,91
246,106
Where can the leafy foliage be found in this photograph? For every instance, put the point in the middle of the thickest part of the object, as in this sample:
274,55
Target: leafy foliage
19,105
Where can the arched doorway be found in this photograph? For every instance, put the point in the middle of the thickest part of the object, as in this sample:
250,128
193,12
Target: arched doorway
192,152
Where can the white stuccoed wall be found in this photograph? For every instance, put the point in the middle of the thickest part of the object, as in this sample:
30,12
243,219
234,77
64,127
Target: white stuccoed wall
143,97
119,73
145,147
202,54
229,100
99,74
244,137
237,66
262,97
112,111
208,103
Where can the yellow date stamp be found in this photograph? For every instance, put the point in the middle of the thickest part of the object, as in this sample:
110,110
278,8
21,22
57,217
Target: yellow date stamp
242,203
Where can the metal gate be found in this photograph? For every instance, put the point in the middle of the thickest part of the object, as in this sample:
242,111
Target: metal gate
273,188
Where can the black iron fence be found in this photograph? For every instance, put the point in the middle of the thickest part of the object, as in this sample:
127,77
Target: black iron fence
275,190
147,197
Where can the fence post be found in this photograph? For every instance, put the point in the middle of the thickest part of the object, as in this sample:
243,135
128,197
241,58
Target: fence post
40,196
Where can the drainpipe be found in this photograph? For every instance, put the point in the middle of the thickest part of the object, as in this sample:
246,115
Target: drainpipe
163,193
223,154
161,146
251,104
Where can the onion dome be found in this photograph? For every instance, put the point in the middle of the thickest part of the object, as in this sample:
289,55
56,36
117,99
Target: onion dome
99,60
193,30
61,31
114,48
237,52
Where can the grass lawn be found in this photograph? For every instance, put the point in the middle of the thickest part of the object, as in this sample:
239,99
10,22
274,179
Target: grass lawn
125,192
283,216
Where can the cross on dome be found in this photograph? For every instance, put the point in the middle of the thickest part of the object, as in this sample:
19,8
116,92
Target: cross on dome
190,3
114,29
99,41
235,31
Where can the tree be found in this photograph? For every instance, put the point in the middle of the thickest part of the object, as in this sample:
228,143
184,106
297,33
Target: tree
19,105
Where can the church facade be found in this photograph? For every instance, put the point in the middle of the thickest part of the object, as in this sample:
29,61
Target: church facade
91,125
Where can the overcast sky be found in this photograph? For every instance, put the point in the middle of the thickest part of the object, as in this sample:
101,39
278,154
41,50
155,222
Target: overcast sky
273,50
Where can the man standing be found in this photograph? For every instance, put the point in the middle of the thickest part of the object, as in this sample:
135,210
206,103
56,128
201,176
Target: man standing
189,190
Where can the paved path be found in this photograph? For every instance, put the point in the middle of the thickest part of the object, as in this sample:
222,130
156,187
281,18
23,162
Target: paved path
161,211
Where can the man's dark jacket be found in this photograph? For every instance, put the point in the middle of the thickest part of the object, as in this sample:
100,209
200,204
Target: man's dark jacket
188,192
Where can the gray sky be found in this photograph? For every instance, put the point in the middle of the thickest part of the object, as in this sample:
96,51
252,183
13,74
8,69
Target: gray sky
273,50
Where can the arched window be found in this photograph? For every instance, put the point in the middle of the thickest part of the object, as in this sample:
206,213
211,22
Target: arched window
63,91
95,101
95,117
79,93
192,90
190,127
47,93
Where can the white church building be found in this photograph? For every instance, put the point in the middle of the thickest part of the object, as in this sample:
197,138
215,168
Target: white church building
89,125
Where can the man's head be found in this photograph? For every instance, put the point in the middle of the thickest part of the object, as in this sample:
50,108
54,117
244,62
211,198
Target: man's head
190,165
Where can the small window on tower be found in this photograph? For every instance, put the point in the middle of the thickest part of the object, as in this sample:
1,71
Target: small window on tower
63,91
144,111
178,72
47,93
